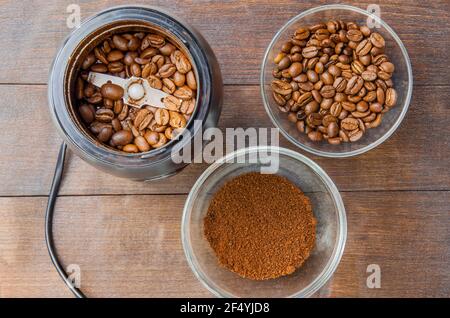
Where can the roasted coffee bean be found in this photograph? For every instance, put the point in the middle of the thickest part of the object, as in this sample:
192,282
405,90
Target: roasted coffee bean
377,40
376,107
363,47
88,61
149,69
349,124
281,87
369,76
327,78
100,55
387,67
159,60
96,98
354,85
357,114
97,126
295,69
87,113
340,84
167,70
177,120
300,126
314,119
114,56
143,118
391,97
151,137
112,91
99,68
334,70
154,40
173,103
105,134
354,35
181,62
332,129
301,34
120,43
187,106
336,109
118,105
311,107
123,113
375,123
328,119
327,91
179,79
362,106
313,77
115,123
122,138
131,148
184,93
278,98
79,88
307,86
357,67
168,86
104,115
284,63
316,95
334,141
167,49
108,103
348,106
355,135
135,70
315,135
162,117
162,141
154,82
115,67
142,144
310,52
190,80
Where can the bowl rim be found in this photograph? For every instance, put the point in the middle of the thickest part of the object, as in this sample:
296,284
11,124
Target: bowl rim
339,246
381,139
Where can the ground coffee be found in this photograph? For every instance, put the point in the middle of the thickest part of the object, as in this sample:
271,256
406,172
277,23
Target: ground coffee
260,226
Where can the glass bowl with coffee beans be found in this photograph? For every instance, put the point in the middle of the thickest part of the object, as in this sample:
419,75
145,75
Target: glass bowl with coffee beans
336,81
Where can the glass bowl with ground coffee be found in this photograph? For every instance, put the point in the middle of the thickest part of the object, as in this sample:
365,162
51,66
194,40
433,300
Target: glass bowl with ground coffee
252,234
336,80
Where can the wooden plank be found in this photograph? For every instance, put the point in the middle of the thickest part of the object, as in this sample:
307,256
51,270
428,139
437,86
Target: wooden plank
129,246
238,32
413,158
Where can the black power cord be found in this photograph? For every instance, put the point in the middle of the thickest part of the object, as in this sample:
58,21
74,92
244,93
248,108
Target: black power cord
49,222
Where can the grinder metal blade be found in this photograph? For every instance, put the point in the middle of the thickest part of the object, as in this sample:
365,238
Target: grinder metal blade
137,91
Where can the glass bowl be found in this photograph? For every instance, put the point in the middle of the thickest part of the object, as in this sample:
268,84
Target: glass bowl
328,209
402,77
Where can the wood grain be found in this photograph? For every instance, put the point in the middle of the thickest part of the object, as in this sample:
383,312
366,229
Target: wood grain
125,235
238,31
130,246
411,159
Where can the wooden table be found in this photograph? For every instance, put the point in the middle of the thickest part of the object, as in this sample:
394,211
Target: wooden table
125,235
